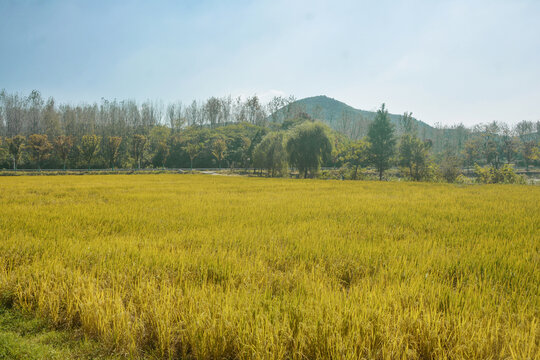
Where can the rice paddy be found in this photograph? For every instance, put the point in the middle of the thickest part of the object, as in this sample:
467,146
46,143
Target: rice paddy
212,267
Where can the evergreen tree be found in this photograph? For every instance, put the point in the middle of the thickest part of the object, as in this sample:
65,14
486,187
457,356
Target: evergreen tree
382,141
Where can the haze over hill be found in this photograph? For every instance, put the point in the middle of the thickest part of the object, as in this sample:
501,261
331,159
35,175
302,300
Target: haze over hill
344,118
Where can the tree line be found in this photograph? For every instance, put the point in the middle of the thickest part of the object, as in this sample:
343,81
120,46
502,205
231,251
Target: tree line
488,151
245,133
38,133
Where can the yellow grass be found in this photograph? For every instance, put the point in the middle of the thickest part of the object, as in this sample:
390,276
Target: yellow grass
211,267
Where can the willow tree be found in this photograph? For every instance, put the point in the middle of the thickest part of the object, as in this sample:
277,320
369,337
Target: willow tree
309,145
270,154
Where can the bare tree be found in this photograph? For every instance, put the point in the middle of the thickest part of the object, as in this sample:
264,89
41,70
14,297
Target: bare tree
351,125
51,121
523,128
278,107
255,113
193,114
226,110
33,113
239,110
212,110
174,115
13,106
3,129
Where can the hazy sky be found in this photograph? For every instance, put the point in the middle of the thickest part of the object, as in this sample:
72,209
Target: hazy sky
464,61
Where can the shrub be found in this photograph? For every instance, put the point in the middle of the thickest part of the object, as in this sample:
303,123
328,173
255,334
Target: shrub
450,168
504,175
462,179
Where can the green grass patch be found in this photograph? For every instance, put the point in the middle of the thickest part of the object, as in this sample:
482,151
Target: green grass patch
25,337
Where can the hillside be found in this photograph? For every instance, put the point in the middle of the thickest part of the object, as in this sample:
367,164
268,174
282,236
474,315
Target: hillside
342,117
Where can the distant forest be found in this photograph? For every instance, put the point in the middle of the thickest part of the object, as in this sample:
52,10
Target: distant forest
226,132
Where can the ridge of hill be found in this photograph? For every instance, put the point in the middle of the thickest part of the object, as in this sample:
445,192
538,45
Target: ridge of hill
344,118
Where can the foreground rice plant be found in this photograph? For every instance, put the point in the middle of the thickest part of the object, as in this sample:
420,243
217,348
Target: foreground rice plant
211,267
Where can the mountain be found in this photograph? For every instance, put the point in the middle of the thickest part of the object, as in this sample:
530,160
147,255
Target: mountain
342,117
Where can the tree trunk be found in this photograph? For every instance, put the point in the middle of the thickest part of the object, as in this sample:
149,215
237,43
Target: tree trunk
191,161
380,174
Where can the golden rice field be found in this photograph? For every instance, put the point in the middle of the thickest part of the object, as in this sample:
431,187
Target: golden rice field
214,267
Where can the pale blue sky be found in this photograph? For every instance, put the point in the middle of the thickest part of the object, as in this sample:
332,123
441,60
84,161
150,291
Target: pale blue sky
446,61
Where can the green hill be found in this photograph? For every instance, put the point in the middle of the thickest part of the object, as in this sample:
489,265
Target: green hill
342,117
